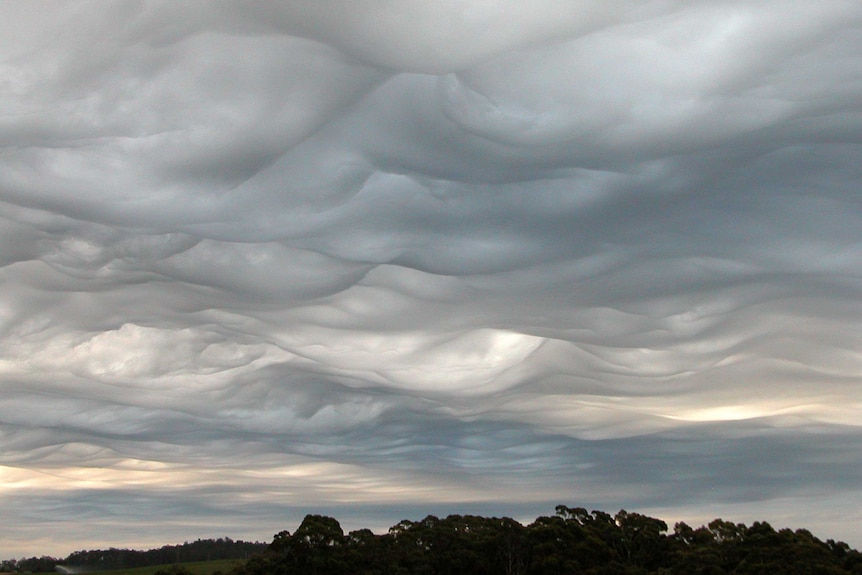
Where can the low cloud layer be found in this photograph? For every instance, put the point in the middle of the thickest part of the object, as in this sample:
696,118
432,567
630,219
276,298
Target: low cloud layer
381,260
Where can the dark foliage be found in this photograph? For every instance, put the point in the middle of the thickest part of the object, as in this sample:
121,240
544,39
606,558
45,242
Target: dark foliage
571,541
29,565
105,559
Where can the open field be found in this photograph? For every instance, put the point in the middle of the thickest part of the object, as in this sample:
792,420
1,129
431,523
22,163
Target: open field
197,568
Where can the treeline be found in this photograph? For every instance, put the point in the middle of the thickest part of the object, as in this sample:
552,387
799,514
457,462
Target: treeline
571,542
105,559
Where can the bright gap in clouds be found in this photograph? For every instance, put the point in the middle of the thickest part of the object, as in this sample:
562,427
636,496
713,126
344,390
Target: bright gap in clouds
379,261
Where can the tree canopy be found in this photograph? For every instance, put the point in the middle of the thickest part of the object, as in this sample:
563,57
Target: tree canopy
571,541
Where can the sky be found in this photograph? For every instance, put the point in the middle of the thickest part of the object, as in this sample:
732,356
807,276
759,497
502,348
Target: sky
379,259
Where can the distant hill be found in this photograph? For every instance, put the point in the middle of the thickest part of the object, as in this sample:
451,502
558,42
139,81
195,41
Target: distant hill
112,559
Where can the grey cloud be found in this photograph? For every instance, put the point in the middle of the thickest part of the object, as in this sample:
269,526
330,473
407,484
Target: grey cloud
263,260
412,36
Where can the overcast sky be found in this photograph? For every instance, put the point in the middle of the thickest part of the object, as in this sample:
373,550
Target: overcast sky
384,258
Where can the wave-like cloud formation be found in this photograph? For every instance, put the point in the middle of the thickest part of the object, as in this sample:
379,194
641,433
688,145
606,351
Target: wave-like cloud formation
260,259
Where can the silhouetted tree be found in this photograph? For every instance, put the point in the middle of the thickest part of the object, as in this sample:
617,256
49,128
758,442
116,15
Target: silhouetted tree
573,541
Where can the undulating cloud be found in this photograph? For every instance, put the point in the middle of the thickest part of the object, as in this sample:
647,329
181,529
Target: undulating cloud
385,259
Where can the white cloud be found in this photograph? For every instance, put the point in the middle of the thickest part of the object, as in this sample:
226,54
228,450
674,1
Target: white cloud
366,258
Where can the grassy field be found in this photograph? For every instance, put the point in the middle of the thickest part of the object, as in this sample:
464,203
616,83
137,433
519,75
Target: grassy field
198,568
